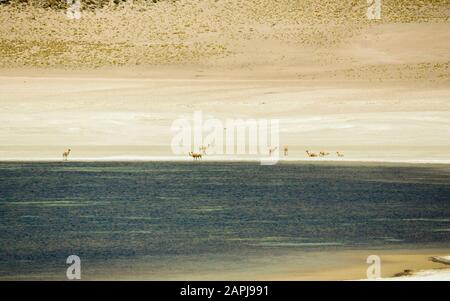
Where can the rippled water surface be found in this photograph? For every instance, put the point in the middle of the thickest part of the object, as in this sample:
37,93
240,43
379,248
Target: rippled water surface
126,211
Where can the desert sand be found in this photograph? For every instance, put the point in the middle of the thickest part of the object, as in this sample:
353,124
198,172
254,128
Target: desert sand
41,116
276,39
121,74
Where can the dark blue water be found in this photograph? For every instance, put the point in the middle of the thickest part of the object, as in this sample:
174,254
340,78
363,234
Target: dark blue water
124,210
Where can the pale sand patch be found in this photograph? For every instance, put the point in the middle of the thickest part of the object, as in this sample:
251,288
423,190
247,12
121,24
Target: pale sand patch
386,120
425,275
353,266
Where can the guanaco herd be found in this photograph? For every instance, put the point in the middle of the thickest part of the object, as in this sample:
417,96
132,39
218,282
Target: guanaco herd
197,156
322,154
203,149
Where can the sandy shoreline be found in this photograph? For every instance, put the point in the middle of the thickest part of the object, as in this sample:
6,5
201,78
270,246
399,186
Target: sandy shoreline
336,265
230,159
351,265
393,263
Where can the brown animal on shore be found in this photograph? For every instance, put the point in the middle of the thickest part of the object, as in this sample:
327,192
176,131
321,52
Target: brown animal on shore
323,154
195,155
65,154
271,150
311,154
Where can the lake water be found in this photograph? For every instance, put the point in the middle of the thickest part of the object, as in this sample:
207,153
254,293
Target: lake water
119,216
